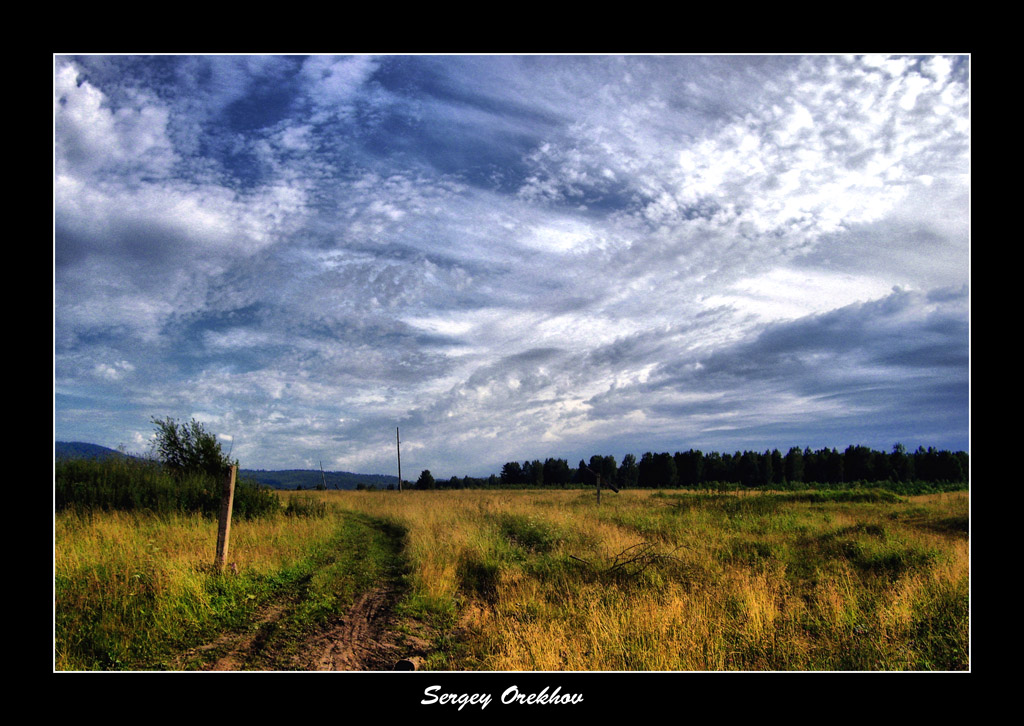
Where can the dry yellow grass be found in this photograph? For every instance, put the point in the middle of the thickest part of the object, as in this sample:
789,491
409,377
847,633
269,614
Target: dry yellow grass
548,581
796,586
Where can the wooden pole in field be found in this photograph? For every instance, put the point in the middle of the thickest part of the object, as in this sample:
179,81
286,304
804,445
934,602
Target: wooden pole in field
398,445
227,500
598,476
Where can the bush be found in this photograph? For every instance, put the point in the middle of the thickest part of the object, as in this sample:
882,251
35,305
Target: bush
128,484
189,477
305,506
254,500
187,449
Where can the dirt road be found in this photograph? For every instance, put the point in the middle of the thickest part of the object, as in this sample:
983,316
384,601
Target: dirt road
365,636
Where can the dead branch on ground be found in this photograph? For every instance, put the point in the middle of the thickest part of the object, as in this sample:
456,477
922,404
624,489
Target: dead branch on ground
633,560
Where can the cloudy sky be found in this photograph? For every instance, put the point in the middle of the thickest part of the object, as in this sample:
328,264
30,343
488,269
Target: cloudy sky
511,257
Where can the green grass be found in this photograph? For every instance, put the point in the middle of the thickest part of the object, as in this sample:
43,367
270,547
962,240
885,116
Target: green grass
134,485
133,590
363,554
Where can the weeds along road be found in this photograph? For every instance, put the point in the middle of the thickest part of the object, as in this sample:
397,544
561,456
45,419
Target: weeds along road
338,616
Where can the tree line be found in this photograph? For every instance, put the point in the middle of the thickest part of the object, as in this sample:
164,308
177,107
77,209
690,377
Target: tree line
697,469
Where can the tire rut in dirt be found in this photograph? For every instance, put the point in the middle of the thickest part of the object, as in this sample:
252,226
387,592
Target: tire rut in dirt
366,637
362,641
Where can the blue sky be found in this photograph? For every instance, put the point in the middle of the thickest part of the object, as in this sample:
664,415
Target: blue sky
511,257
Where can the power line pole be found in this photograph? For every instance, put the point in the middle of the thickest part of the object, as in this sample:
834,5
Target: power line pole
598,477
398,445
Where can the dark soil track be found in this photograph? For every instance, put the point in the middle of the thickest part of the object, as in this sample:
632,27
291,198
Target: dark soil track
365,639
368,636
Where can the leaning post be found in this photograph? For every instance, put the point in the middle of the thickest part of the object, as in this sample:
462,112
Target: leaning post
224,529
398,446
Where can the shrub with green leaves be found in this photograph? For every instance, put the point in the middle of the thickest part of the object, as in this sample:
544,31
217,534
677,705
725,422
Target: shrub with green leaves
188,477
188,448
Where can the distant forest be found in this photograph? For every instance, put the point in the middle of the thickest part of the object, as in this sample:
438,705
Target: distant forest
921,469
901,470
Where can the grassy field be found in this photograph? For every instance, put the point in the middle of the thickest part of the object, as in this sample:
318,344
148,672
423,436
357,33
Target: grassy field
547,580
134,591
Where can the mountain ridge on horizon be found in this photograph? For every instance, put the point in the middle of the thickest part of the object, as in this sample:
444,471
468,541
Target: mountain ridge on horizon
276,478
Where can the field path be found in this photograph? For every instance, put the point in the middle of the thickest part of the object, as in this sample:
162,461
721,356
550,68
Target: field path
365,639
240,647
367,636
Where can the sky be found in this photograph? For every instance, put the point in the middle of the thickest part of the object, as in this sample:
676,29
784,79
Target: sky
511,257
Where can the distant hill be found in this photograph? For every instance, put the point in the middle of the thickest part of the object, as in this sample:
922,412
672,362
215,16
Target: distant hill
311,479
284,479
82,450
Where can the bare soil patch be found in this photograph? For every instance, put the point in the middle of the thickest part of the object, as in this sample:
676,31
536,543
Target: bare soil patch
368,637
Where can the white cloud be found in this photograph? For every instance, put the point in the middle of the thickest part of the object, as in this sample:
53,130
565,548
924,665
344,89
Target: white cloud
297,138
334,82
787,294
537,251
113,371
90,135
561,236
237,338
454,324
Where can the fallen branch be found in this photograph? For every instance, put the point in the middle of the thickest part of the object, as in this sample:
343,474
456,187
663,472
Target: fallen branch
633,560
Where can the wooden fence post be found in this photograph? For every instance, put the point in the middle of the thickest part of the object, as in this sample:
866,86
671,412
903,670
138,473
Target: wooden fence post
597,478
227,500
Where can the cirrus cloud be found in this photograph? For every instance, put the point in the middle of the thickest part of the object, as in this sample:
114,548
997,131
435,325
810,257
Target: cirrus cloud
512,257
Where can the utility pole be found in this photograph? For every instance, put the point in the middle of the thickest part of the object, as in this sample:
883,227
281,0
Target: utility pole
398,445
598,476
